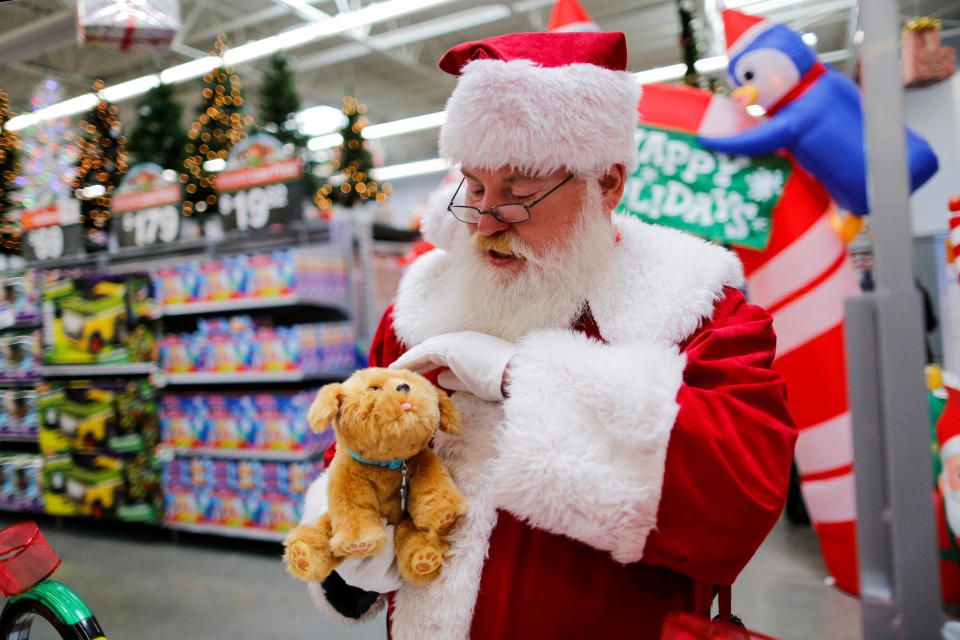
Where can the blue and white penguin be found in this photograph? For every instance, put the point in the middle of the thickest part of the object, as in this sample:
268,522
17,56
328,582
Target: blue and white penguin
813,111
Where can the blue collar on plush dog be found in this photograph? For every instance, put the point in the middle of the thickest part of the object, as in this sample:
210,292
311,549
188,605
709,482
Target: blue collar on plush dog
396,463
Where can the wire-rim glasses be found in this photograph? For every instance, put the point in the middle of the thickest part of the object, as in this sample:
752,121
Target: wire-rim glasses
509,213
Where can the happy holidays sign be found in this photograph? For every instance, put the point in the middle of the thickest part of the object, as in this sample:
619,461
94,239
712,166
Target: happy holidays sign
678,183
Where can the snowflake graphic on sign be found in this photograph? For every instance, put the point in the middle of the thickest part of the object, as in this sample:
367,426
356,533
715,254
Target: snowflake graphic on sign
678,183
764,184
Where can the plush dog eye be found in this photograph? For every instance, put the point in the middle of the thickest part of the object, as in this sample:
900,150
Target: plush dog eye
373,387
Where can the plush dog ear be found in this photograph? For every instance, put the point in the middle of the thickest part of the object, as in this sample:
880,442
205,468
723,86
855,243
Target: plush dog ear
325,406
449,418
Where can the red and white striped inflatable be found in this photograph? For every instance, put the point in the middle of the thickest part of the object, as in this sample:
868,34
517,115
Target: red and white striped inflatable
802,279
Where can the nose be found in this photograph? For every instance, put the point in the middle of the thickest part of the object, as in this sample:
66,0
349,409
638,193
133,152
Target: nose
488,225
403,387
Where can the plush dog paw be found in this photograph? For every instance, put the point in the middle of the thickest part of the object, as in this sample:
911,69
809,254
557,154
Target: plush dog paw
358,546
427,561
298,557
446,521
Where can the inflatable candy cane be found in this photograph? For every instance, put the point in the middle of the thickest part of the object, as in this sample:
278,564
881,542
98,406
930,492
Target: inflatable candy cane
801,277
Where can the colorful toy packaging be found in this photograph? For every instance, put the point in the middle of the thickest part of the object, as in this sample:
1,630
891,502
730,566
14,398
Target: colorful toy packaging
240,343
308,273
18,413
98,440
20,356
19,299
21,481
268,422
99,320
257,494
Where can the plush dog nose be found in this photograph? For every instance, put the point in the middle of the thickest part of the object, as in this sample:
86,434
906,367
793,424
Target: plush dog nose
403,387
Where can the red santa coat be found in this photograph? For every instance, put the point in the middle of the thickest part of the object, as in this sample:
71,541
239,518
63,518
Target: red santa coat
640,459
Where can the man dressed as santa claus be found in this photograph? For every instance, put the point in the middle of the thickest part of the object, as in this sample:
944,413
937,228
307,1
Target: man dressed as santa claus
625,445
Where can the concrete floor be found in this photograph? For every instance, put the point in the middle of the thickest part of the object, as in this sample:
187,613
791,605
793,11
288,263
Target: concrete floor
142,584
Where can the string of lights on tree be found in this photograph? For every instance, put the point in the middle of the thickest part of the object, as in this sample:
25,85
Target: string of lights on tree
47,152
101,163
354,163
220,124
9,172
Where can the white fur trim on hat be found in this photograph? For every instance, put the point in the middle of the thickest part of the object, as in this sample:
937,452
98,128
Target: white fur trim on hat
950,448
580,117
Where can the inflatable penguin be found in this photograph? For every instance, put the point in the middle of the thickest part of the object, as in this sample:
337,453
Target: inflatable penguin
813,111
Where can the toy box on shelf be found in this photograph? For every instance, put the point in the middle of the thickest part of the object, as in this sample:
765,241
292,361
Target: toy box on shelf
19,356
99,319
20,300
244,344
259,422
311,275
21,481
18,414
98,438
249,494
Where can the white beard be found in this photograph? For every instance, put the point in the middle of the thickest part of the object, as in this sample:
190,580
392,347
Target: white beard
549,292
951,500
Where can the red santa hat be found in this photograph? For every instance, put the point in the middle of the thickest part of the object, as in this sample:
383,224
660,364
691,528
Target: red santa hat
568,15
540,102
741,29
948,424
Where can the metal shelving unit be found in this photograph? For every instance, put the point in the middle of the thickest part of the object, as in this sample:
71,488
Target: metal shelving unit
251,377
92,370
231,532
253,302
272,455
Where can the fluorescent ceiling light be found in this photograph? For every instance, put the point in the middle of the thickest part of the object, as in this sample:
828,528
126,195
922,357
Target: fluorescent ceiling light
190,70
342,22
135,87
711,64
93,191
324,142
407,169
319,120
407,125
661,74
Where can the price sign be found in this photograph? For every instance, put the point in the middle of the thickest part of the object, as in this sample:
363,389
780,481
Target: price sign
149,226
52,231
258,207
147,207
260,186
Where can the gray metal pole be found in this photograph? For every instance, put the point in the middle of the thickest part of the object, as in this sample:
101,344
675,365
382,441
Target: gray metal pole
898,569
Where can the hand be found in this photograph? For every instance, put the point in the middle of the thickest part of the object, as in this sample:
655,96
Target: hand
477,362
376,573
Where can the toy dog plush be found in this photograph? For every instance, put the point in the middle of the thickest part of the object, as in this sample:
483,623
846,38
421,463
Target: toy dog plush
384,420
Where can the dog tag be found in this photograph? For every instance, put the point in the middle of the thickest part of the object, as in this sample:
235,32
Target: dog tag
404,487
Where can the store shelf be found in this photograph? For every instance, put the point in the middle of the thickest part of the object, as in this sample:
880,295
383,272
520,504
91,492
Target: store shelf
241,377
253,302
25,437
252,454
84,370
230,532
21,382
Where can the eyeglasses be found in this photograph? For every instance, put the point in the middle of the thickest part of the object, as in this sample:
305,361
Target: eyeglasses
509,213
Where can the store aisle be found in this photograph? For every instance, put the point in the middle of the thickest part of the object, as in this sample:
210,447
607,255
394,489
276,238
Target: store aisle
141,584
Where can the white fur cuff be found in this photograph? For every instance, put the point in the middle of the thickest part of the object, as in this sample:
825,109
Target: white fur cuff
585,435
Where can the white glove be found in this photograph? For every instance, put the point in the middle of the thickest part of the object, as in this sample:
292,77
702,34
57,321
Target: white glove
377,573
476,361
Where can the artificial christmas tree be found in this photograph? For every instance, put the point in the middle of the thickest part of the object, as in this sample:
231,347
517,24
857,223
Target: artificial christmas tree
354,162
279,105
102,160
159,135
9,171
46,152
219,125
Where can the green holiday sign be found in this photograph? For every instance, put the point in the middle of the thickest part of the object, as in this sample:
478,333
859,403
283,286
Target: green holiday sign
678,183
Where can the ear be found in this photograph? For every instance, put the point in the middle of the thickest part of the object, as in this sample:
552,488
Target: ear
449,418
611,186
325,406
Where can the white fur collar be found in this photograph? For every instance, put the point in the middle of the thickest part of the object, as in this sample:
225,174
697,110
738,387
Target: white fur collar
663,285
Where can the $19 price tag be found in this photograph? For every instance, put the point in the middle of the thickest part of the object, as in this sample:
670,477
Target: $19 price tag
258,207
